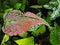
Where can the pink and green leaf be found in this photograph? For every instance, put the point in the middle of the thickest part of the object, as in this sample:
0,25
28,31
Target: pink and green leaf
22,23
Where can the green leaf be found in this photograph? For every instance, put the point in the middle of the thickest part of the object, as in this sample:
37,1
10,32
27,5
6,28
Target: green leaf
33,28
3,44
25,41
48,17
5,38
7,10
41,29
55,35
23,8
36,6
17,6
24,35
1,15
23,5
39,14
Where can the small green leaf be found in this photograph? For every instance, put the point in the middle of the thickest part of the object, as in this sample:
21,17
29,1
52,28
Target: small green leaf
24,35
48,17
33,28
7,10
35,6
23,5
25,41
17,6
41,29
39,14
23,8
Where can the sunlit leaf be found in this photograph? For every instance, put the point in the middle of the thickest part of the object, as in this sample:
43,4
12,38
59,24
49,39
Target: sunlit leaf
5,38
7,10
25,41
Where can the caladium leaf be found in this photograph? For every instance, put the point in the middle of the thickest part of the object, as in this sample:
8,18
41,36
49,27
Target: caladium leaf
13,14
29,14
21,22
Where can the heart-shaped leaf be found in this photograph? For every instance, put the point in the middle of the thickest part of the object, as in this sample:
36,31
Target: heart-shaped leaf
21,23
25,41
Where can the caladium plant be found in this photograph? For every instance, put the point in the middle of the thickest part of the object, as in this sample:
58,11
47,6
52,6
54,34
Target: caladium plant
15,22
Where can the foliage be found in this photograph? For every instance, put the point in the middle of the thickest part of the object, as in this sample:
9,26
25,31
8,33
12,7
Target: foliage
25,41
40,30
5,39
17,6
20,25
55,35
24,35
46,12
35,6
55,6
42,2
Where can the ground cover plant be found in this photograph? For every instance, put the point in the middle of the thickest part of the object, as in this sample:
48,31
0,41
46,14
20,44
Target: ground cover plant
29,22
